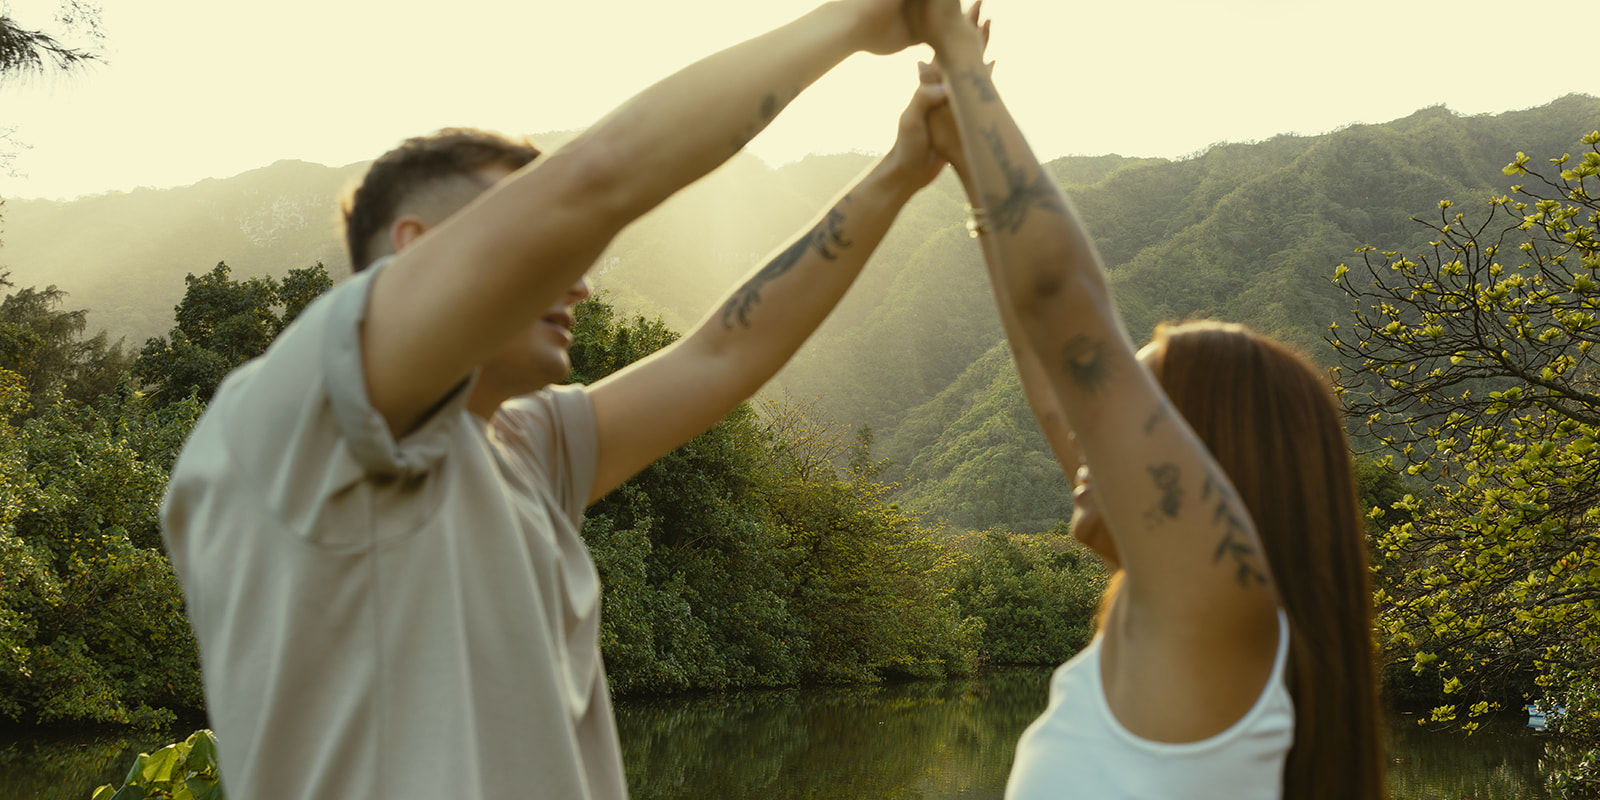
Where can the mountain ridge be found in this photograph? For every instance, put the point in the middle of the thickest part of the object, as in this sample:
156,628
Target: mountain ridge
1247,232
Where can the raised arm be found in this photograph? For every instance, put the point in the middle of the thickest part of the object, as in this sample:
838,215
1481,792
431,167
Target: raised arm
1197,606
1036,388
647,409
458,293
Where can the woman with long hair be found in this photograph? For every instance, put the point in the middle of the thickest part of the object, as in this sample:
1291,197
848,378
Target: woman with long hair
1234,656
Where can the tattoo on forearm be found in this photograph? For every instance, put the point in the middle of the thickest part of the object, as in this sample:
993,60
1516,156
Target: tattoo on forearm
1087,363
827,238
1009,212
1235,543
981,80
1167,478
1156,417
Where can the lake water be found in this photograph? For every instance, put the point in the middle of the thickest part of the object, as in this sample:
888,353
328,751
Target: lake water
932,741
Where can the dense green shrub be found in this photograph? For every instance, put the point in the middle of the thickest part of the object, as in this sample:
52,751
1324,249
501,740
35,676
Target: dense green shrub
755,556
92,626
1036,594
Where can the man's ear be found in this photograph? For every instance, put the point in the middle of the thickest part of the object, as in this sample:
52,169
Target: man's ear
405,230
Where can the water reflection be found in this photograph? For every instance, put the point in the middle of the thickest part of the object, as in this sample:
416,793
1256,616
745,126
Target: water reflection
68,766
933,741
950,739
941,741
1500,762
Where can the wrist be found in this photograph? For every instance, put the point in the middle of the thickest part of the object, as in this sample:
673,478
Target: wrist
958,46
891,181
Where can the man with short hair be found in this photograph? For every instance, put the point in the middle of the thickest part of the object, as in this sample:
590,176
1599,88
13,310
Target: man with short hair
376,522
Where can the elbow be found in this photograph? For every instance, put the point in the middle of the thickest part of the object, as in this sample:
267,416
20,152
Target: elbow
1043,283
597,181
1056,279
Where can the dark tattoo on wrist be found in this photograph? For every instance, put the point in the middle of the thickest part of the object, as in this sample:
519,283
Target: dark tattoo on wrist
981,80
1010,211
1235,542
827,238
1167,477
1087,362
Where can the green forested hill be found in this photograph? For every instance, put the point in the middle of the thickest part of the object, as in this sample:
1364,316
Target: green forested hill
123,255
1244,232
1262,225
974,457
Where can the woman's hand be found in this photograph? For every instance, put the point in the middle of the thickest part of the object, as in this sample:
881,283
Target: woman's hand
942,128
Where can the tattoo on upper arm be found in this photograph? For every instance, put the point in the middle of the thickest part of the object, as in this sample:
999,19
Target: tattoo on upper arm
983,82
1235,542
1167,478
827,238
1087,362
770,106
1010,211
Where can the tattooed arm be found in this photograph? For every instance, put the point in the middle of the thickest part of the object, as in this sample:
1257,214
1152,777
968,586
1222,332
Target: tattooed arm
455,296
1192,633
645,410
1036,388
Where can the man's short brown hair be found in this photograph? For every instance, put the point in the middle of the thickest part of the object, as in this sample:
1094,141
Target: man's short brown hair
418,165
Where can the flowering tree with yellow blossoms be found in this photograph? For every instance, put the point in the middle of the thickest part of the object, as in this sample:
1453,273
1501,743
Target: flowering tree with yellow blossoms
1475,364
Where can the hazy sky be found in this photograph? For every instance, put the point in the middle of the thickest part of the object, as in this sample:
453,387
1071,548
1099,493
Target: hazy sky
210,88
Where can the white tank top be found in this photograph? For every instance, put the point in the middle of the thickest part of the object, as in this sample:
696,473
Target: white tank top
1077,749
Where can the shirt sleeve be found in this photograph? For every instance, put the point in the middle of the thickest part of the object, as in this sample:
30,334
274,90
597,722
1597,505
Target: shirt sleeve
365,432
301,438
552,431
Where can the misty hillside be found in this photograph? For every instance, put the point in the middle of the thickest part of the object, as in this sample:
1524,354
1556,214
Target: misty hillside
123,255
1243,232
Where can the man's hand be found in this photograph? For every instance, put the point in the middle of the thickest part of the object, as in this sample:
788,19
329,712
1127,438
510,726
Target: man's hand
913,157
942,131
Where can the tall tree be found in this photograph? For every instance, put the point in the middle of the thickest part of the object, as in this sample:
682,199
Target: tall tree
44,344
1475,361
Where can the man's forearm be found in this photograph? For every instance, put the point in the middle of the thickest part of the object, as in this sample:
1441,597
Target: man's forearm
760,324
689,123
660,402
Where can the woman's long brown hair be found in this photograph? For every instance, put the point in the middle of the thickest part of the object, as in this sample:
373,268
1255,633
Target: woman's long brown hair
1272,423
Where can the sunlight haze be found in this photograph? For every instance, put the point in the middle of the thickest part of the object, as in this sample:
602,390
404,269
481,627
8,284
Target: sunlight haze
192,89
